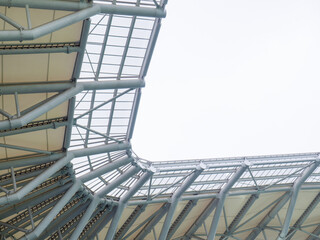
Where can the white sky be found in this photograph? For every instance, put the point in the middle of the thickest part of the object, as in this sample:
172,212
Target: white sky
232,78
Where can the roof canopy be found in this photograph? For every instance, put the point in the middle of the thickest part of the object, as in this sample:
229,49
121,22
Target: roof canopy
71,79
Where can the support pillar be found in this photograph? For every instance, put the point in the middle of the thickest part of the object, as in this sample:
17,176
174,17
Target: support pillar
122,204
222,196
175,199
296,187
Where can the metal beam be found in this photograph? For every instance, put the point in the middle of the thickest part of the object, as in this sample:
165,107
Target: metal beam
85,218
100,224
221,199
60,87
175,199
35,50
239,216
303,217
53,213
36,126
129,222
17,196
123,177
269,216
150,225
316,232
295,191
64,219
62,97
24,149
203,216
75,6
94,9
106,168
122,203
34,199
180,218
75,75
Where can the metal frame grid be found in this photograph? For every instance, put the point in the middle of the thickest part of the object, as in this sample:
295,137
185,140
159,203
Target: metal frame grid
93,186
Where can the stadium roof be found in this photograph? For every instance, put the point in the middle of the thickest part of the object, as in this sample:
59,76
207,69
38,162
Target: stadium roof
71,79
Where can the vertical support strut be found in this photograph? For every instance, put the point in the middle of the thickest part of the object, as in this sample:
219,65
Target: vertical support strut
16,98
269,216
175,199
295,191
221,198
122,204
129,222
303,216
28,17
13,176
211,206
239,216
53,213
97,199
179,220
155,218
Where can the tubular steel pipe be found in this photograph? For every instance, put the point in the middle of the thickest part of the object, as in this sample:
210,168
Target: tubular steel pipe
77,153
125,176
77,17
66,49
52,103
53,213
222,197
75,6
85,218
60,87
296,188
15,197
106,168
122,204
175,199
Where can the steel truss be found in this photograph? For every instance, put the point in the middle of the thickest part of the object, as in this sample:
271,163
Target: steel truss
93,186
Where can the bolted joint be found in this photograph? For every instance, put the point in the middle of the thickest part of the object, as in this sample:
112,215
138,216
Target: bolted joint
201,166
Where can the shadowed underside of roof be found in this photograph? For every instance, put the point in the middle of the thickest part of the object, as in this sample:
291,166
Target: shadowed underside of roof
71,74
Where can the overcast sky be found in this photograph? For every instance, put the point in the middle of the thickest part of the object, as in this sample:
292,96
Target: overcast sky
232,78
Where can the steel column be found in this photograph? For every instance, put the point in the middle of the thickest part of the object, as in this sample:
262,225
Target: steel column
53,213
148,227
122,203
179,220
316,232
129,222
100,224
75,75
221,198
85,218
64,219
211,206
303,216
239,216
295,191
269,216
175,199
